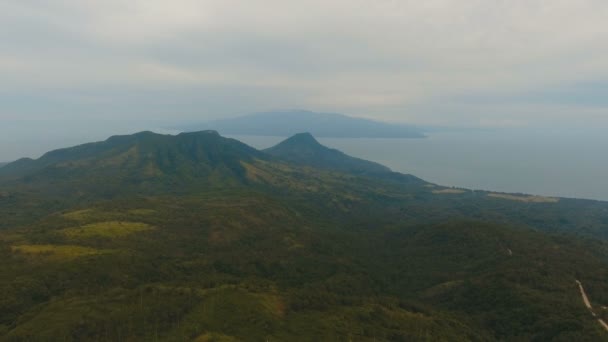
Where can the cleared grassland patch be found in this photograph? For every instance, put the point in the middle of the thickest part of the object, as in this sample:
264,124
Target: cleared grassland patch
110,229
12,238
301,178
273,304
258,174
79,215
215,337
99,215
524,198
449,191
56,252
142,212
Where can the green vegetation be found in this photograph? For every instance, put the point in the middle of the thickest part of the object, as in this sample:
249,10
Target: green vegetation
449,191
527,199
268,250
54,252
111,229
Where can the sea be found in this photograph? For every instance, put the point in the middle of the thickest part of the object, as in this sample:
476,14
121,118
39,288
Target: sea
559,163
564,163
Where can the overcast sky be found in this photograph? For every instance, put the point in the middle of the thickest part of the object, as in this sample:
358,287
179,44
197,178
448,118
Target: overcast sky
448,62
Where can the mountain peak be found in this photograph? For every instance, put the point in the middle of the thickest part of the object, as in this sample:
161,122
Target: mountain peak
303,135
303,139
142,160
304,149
207,132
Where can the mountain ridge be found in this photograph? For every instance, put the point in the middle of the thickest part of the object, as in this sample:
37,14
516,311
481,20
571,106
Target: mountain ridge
146,161
144,156
288,123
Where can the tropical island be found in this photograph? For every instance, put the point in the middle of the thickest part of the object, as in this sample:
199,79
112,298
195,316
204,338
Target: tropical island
200,237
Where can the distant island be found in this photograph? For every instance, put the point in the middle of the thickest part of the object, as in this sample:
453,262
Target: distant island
324,125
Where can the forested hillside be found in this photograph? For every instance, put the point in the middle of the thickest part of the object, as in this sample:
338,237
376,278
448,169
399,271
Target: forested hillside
199,237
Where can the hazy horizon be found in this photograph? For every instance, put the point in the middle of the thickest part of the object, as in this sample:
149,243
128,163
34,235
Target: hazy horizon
73,72
442,62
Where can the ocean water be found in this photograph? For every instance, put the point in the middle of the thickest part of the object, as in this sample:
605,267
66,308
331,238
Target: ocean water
558,163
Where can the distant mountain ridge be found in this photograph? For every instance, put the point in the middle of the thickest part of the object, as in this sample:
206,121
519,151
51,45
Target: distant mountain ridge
3,164
323,125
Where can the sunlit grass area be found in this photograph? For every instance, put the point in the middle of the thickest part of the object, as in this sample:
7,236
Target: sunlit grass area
79,215
142,212
110,229
449,191
91,215
215,337
57,252
523,198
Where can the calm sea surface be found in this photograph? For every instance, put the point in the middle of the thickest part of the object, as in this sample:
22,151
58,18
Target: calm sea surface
566,164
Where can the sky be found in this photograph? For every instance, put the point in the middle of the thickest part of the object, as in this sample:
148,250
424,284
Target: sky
479,63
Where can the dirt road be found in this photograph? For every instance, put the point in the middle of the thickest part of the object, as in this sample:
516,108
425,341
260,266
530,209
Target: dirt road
588,305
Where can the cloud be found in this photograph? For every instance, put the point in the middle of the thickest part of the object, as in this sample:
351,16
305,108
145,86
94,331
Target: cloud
433,61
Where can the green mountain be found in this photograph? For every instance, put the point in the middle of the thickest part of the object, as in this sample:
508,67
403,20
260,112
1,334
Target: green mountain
141,162
221,242
287,123
304,149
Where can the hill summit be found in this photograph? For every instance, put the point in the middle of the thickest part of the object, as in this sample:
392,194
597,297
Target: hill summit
304,149
144,160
